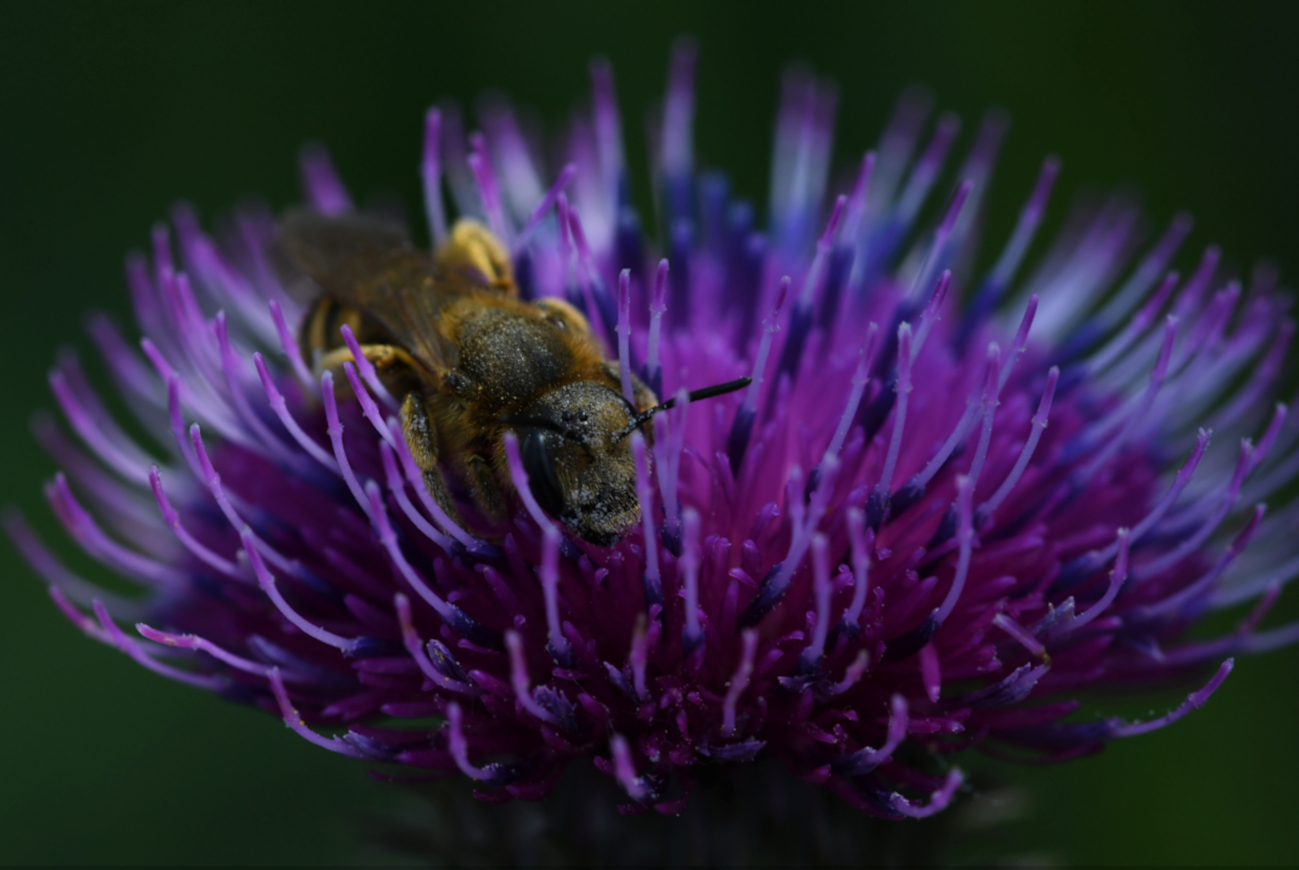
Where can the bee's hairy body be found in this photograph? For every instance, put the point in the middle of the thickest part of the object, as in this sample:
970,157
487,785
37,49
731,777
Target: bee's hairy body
471,362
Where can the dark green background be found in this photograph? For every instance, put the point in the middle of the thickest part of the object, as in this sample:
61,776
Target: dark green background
110,112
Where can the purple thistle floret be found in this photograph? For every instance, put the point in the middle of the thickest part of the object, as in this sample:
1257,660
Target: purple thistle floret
925,525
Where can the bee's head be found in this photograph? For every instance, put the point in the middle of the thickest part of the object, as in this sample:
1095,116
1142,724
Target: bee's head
575,447
579,470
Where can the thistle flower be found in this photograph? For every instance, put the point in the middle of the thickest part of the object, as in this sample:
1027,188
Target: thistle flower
926,524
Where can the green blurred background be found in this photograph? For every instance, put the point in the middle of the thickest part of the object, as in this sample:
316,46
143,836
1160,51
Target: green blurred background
111,112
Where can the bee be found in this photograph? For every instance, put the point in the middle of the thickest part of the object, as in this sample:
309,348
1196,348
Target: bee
471,362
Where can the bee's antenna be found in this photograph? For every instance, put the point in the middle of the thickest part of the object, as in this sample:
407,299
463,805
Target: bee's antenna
694,396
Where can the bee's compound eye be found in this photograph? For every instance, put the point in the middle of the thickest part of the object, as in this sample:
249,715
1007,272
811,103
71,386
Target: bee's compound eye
542,479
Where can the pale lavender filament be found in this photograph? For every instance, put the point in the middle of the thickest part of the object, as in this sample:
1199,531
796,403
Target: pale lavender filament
938,250
676,444
366,368
690,569
965,537
625,770
172,519
397,486
431,172
194,642
264,441
962,428
660,451
565,240
862,540
519,679
739,681
644,495
1117,346
852,674
1117,578
290,346
294,721
335,431
485,177
138,384
1037,425
208,474
1134,415
624,336
900,417
1202,585
1180,481
679,112
520,476
132,649
1193,701
323,186
415,646
105,440
1273,431
927,166
866,759
608,129
59,579
931,312
657,307
803,519
857,199
550,588
547,203
176,418
586,270
1018,344
388,539
813,278
1147,271
82,527
1019,633
938,801
1029,220
796,507
416,479
369,409
860,379
459,747
822,588
989,415
86,625
1193,541
770,326
267,581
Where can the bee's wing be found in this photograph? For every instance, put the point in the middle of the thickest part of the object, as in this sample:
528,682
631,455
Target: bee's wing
369,264
337,252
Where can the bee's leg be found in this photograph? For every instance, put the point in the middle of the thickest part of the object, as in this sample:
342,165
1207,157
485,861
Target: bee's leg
422,440
473,246
484,488
384,356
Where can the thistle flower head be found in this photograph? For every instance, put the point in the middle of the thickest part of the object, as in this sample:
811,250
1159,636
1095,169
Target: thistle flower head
948,501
